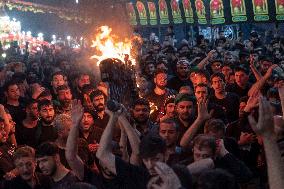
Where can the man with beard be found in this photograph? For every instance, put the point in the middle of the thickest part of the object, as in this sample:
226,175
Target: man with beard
58,79
49,163
185,108
24,160
159,94
182,70
98,99
64,96
45,129
26,131
83,79
141,117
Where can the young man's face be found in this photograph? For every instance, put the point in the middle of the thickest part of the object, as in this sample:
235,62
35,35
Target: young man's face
183,70
161,80
218,84
32,111
241,78
87,121
150,163
26,167
57,80
202,153
47,165
47,114
83,80
185,110
170,109
141,113
201,92
168,132
13,92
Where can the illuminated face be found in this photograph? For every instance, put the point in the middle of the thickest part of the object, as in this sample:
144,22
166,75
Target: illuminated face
26,167
218,85
87,121
13,92
185,110
168,132
84,80
99,103
201,92
47,114
216,67
170,110
57,80
65,96
161,80
241,78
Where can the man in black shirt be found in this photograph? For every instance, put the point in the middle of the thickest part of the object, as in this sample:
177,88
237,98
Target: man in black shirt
182,69
48,159
24,159
228,101
26,131
241,85
45,129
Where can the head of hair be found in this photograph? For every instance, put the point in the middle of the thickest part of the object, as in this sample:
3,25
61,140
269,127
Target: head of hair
43,103
8,84
96,93
57,73
47,149
170,121
44,93
151,145
185,97
24,151
201,85
220,75
241,69
141,101
62,87
159,71
214,125
205,141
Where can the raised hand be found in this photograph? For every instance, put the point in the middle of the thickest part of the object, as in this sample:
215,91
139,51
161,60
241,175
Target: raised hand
252,102
166,179
76,112
202,105
264,126
246,138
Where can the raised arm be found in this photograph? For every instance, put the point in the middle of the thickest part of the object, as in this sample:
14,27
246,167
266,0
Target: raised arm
104,153
264,129
71,152
205,61
255,72
134,139
203,115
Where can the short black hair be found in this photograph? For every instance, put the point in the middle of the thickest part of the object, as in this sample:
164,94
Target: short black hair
170,121
96,93
151,145
141,101
8,84
58,73
220,75
203,140
47,149
160,71
241,69
62,87
201,85
44,102
214,125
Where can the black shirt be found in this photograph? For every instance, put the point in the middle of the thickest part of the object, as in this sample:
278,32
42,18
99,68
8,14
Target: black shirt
6,158
230,104
176,83
42,182
127,177
17,112
66,182
25,136
45,133
234,88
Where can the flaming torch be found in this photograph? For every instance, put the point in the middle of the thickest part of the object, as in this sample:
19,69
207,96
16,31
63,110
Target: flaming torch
114,57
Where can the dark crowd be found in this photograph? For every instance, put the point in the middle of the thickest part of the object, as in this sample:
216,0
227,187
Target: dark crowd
191,114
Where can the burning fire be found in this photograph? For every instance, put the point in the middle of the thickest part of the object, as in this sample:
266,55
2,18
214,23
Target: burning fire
108,45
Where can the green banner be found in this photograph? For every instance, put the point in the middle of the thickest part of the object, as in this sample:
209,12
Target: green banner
164,12
188,12
260,10
131,13
152,13
176,12
142,13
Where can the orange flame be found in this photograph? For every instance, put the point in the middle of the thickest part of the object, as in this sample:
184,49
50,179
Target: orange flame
108,45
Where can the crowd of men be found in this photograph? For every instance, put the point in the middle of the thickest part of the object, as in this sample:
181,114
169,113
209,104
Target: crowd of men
208,116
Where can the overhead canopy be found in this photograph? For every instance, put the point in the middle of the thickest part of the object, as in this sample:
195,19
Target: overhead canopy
204,12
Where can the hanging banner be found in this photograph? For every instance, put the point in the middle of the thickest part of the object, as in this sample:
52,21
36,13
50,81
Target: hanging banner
131,13
260,10
153,13
217,12
200,11
238,10
279,5
188,12
142,13
163,10
176,12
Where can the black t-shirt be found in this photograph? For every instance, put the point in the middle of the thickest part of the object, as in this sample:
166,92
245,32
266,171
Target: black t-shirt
230,105
17,112
42,182
128,177
45,133
66,182
234,88
25,136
